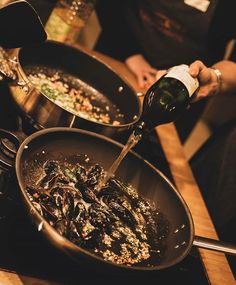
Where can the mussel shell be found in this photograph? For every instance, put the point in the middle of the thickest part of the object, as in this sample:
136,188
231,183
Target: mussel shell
48,180
68,205
73,234
123,213
51,212
38,207
51,166
80,212
88,194
80,174
62,227
100,216
33,193
123,188
57,194
94,175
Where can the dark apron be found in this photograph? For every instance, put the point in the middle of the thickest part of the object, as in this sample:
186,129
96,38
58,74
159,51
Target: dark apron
170,32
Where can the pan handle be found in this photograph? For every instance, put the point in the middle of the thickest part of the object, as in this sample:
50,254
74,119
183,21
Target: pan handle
9,144
11,73
7,67
216,245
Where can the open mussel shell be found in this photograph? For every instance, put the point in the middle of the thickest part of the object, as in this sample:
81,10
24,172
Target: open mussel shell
64,143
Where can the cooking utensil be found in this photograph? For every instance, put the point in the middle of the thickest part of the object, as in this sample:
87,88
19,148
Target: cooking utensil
103,83
20,25
61,143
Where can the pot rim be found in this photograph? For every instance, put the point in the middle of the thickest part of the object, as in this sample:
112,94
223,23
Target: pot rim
68,244
24,77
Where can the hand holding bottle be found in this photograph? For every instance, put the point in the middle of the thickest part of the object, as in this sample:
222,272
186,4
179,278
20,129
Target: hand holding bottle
168,97
209,79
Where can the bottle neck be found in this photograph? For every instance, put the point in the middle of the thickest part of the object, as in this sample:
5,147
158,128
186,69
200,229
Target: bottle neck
141,129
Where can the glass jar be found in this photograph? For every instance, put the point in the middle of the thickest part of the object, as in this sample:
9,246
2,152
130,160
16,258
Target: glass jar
67,19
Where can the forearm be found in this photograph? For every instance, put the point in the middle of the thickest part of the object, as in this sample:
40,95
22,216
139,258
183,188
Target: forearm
228,71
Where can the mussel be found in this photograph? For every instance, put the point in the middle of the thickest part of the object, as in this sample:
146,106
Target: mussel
113,222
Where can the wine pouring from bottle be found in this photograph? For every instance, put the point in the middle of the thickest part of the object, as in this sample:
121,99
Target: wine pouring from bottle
164,102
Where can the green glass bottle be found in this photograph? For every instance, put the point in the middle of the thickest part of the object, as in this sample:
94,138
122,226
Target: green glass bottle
167,98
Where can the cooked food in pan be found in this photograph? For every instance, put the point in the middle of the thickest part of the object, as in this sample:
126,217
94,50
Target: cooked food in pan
115,222
74,95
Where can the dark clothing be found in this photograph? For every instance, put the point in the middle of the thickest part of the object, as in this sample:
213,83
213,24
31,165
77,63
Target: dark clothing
116,38
222,29
167,33
214,167
172,32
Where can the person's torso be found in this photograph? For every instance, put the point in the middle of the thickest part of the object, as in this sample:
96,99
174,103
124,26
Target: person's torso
172,32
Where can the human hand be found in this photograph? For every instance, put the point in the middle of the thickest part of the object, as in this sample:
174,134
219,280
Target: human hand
144,72
207,79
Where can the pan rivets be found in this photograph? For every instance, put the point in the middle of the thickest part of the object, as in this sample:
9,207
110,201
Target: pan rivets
26,146
121,88
177,230
23,85
43,152
179,245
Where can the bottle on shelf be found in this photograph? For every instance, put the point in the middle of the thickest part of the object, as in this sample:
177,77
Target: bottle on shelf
67,19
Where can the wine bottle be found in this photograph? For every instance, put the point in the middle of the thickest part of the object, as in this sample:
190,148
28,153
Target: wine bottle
167,98
164,102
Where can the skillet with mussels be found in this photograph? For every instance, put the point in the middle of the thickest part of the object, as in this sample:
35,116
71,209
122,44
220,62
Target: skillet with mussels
113,222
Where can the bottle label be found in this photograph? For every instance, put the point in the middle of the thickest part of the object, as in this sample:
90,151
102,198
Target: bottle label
181,73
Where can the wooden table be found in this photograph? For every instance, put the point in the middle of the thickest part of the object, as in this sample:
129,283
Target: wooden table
216,265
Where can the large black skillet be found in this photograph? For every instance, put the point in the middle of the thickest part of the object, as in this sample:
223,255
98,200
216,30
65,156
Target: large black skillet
62,143
79,68
21,27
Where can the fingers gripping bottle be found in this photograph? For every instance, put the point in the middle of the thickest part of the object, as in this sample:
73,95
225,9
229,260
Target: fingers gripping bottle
168,97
